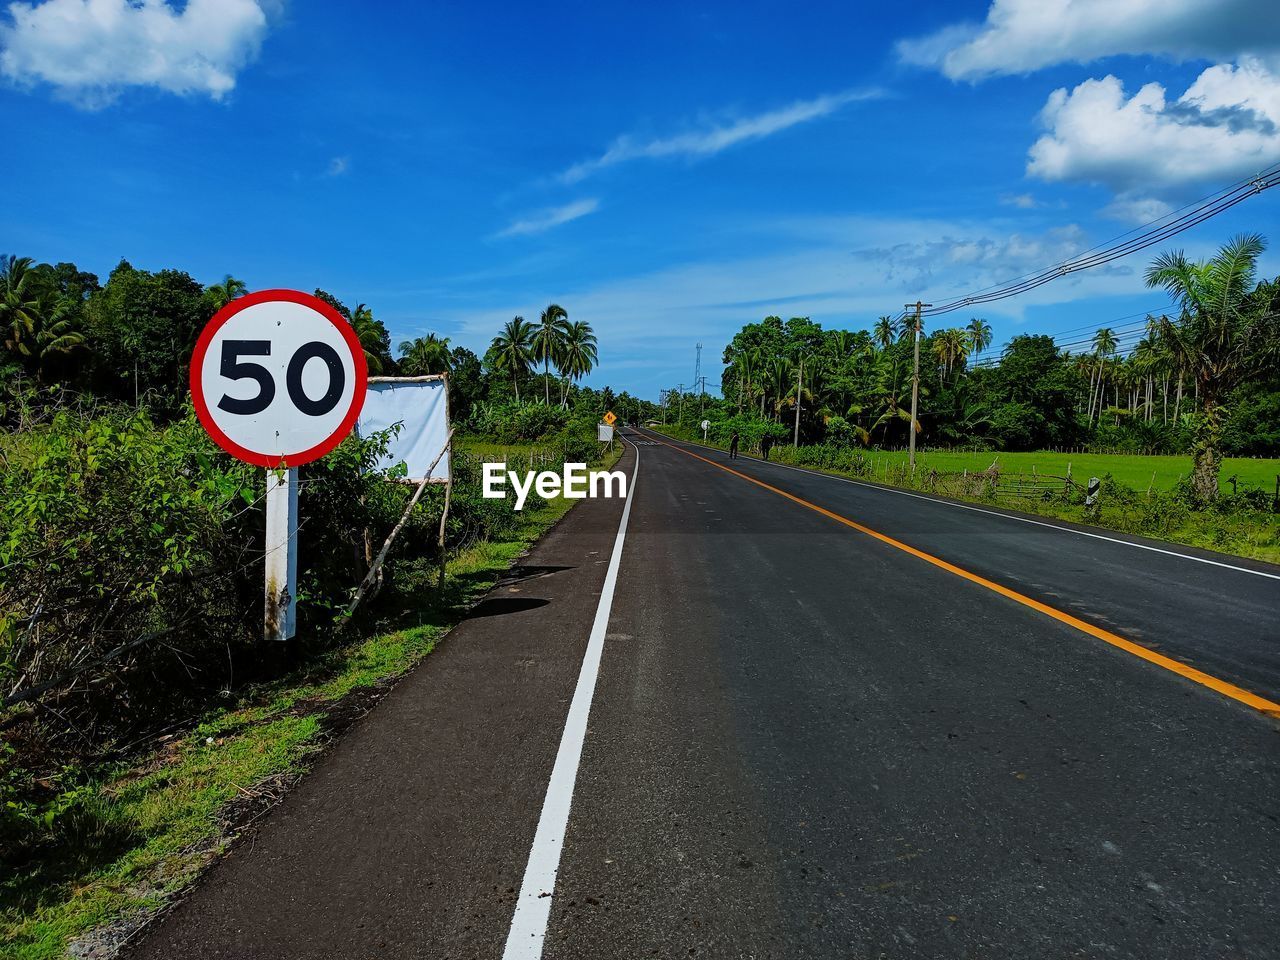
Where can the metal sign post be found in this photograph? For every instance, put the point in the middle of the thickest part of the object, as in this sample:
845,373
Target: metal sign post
280,619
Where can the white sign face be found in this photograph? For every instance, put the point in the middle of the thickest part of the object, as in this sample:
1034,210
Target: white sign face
278,378
706,424
421,408
604,432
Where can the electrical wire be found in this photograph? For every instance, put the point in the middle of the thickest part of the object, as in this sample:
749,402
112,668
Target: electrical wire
1169,226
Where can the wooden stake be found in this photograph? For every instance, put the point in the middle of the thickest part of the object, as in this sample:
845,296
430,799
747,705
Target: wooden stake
374,576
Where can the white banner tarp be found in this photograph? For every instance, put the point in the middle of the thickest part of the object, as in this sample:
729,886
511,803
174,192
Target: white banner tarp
421,406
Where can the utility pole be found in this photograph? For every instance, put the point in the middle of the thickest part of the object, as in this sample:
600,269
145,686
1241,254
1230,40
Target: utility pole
702,395
915,386
799,377
680,406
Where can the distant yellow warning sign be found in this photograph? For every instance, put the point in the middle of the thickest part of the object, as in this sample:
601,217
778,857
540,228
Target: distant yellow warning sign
610,419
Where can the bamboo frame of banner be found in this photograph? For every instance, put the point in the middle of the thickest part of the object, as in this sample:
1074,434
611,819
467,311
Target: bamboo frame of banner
373,579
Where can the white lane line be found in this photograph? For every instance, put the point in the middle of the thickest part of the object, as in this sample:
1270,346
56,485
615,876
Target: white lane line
533,908
1004,516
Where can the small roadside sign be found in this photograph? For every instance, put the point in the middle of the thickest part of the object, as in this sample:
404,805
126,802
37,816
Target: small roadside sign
604,432
610,418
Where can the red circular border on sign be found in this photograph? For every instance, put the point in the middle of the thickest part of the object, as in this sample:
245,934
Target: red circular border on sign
197,377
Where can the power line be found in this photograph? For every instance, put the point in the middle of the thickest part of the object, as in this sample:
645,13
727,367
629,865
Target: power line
1195,214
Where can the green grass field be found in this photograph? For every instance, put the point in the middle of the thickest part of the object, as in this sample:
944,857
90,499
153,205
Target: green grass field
1134,471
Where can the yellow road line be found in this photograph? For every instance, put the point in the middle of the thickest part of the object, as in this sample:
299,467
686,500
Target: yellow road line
1128,646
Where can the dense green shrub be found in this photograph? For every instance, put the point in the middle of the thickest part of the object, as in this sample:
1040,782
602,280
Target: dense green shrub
101,547
519,423
131,556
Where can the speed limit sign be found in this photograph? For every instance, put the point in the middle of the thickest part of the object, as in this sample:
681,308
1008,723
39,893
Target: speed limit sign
278,378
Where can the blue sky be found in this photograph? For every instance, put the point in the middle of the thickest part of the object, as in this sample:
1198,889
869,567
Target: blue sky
667,171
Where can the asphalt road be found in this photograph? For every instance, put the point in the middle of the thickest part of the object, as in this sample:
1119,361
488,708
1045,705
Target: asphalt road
803,741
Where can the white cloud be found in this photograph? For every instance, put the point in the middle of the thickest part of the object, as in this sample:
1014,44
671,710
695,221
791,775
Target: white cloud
1136,210
552,217
1225,126
91,50
715,138
1023,201
338,166
1020,36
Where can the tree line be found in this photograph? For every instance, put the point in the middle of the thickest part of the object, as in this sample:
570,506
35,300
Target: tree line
1204,380
130,340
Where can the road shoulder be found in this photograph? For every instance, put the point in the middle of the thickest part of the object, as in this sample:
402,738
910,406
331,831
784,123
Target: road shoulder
429,800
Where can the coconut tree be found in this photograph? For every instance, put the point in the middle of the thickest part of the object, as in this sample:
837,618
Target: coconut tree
951,348
1229,330
38,326
18,302
840,346
1104,345
57,331
578,356
372,335
777,375
744,366
512,350
885,332
978,334
423,356
220,294
548,341
892,397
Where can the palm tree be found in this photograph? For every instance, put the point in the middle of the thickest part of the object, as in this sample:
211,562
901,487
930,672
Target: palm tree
1229,330
548,341
777,375
746,370
1104,345
424,356
951,347
840,346
56,332
885,332
978,333
18,302
578,356
370,333
220,294
37,326
893,397
513,350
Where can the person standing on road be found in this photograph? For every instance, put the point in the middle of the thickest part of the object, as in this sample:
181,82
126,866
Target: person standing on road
765,443
733,446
